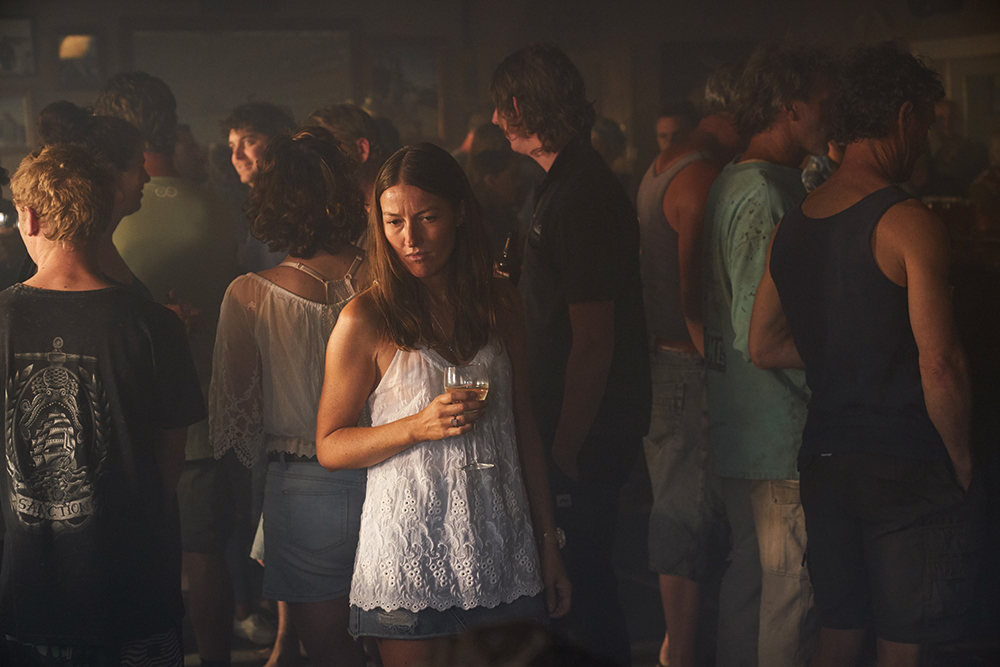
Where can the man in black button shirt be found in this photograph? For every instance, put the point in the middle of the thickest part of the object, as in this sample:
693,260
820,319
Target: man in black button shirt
586,329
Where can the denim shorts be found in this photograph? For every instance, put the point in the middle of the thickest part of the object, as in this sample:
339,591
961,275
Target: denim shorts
429,623
686,506
311,522
891,544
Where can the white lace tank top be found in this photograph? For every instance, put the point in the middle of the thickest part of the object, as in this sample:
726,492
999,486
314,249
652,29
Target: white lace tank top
434,536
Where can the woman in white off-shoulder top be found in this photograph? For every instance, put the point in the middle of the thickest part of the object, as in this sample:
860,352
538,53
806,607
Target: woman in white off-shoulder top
267,376
442,549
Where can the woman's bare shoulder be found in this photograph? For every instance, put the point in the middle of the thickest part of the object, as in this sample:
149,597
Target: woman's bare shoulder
246,289
359,333
361,314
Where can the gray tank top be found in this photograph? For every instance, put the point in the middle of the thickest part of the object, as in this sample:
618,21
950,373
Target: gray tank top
661,275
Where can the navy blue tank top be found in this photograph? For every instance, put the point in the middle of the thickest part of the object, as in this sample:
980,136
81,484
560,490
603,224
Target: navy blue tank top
851,325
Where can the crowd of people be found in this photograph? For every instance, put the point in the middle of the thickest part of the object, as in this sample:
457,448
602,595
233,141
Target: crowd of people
790,385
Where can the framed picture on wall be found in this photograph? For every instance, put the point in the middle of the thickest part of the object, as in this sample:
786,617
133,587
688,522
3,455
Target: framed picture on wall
15,125
17,48
78,60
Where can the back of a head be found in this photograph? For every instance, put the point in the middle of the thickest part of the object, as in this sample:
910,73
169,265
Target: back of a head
259,117
551,96
488,137
349,123
304,197
682,111
774,76
490,162
388,135
71,192
146,102
876,81
107,138
59,122
721,91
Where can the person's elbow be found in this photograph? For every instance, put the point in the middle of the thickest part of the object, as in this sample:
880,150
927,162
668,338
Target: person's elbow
947,367
761,352
327,454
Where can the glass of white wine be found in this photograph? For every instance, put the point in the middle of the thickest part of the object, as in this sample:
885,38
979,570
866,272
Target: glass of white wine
472,378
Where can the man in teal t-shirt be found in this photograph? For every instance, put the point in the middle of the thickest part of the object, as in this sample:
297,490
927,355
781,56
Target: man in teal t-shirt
756,417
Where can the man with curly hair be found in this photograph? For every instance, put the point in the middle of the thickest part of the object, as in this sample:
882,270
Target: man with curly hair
100,390
586,330
181,245
756,416
857,293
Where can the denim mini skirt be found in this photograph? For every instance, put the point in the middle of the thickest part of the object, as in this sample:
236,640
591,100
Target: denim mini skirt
311,522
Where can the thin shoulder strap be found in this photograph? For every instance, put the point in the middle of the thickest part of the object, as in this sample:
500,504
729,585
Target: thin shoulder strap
312,273
307,270
354,266
321,278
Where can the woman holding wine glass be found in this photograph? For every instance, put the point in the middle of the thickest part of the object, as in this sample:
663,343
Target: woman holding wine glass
444,547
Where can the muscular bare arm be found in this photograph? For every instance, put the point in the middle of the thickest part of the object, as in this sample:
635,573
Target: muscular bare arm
912,248
771,344
684,208
356,358
587,369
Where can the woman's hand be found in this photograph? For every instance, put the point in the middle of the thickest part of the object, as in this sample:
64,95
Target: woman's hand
558,590
450,414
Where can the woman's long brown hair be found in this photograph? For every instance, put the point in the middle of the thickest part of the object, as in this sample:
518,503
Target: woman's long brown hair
480,306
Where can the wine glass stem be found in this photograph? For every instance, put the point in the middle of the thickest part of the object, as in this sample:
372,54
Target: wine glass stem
470,447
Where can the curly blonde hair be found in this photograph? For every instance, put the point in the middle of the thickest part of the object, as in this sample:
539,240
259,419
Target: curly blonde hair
71,193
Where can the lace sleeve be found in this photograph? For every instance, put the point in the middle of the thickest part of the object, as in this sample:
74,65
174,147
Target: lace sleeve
235,397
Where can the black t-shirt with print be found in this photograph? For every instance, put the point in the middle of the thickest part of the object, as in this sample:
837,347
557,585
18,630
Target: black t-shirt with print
92,550
583,246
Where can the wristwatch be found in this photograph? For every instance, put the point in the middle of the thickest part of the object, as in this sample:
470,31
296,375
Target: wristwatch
560,536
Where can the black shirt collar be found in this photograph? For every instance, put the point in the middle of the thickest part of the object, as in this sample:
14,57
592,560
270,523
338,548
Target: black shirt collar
567,158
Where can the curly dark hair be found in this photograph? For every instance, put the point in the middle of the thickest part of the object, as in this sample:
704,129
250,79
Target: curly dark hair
305,196
876,82
774,76
147,103
551,96
260,117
